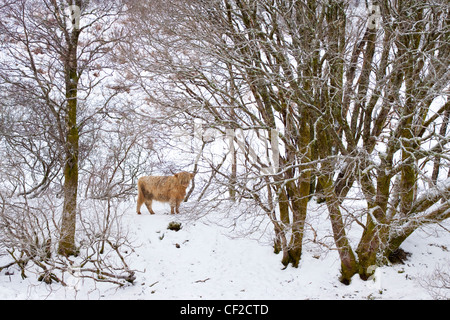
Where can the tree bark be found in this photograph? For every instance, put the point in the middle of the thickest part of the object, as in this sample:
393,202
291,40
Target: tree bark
298,194
349,264
68,225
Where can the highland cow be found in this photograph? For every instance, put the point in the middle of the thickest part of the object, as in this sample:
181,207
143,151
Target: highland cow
170,189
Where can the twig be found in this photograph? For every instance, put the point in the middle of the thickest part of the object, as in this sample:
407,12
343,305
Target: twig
198,281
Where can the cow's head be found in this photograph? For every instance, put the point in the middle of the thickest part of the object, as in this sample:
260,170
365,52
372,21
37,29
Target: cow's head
184,178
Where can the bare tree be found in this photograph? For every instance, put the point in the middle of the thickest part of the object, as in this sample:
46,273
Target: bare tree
53,55
393,132
61,100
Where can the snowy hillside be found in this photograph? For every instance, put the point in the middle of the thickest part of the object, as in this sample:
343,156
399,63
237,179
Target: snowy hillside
205,260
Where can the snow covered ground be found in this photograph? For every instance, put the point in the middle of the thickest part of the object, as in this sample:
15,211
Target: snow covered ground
208,260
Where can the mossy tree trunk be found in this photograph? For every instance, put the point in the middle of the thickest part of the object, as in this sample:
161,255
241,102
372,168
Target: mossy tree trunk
349,263
298,193
68,224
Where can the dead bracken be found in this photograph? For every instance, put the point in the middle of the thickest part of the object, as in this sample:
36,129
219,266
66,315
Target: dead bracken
174,226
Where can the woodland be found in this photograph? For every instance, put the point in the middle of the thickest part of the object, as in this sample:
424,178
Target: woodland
274,105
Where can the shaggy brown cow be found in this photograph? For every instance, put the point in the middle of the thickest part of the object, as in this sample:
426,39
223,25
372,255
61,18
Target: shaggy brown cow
170,189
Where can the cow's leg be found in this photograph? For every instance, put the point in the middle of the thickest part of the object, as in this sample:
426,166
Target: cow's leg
177,208
148,204
140,201
173,205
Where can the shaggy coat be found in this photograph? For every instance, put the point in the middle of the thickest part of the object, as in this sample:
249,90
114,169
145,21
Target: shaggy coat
170,189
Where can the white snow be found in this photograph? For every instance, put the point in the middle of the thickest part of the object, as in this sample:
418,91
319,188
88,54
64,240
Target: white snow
207,260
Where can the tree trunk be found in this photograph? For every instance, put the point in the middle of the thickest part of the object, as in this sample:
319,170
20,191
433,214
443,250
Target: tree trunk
375,235
298,194
437,159
349,264
280,232
299,208
67,240
370,248
68,225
